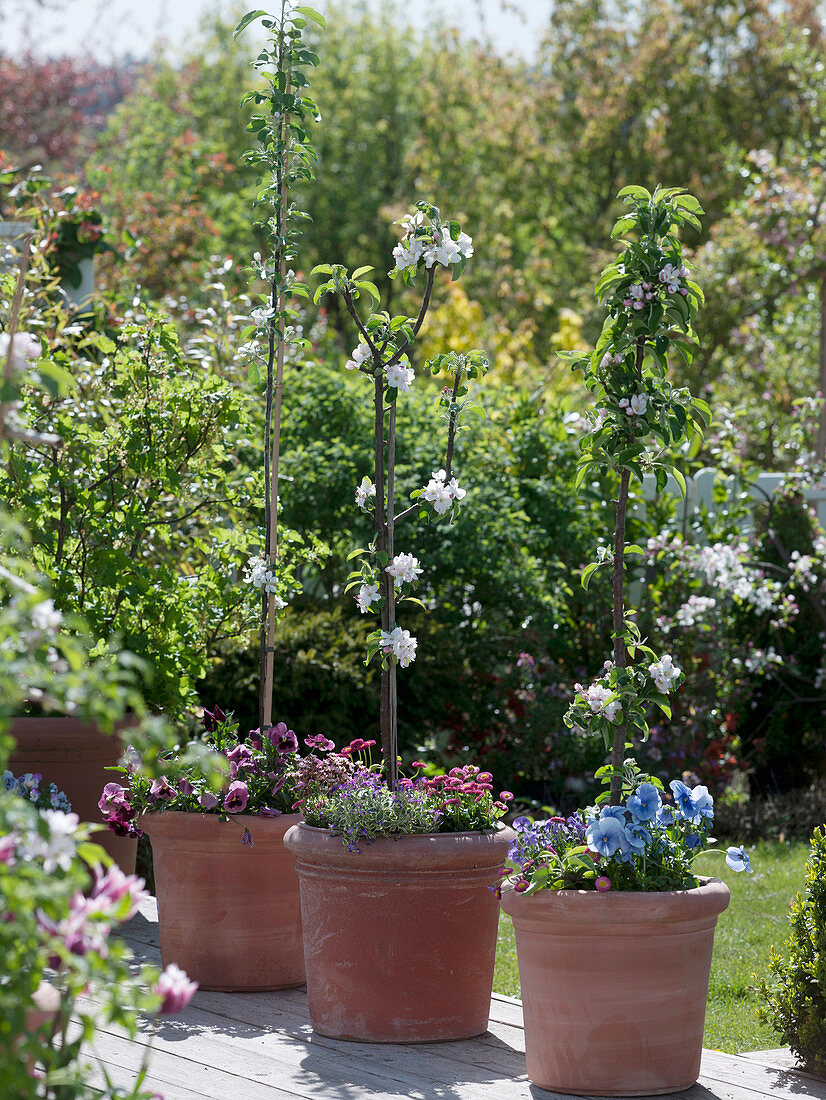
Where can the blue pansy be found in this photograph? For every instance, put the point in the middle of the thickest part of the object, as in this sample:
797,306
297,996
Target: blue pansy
8,780
737,859
692,841
613,811
703,803
683,800
605,835
645,803
666,815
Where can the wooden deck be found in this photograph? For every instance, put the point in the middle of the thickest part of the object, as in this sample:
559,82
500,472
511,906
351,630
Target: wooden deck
261,1047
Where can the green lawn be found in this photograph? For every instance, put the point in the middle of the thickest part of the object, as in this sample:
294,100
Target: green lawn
755,919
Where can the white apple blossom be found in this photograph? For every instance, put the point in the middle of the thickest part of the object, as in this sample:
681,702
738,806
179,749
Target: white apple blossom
359,355
441,493
444,250
665,673
24,347
259,573
261,317
404,569
45,618
639,403
608,360
465,244
399,376
401,644
597,696
670,277
365,494
366,596
693,609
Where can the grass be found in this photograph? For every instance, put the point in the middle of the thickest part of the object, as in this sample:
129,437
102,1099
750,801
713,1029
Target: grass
754,921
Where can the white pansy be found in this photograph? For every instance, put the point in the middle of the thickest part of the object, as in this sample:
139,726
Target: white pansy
404,569
365,494
45,617
399,376
24,347
366,596
665,674
359,355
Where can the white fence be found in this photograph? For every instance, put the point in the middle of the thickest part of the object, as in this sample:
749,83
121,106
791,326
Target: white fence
700,491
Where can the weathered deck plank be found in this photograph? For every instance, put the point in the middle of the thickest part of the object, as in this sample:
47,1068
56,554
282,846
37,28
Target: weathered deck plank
262,1047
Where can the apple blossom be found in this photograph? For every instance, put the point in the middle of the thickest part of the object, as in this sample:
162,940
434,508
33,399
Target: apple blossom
364,493
359,356
665,674
367,595
399,376
404,568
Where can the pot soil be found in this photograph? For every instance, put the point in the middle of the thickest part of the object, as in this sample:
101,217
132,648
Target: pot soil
228,914
75,755
400,938
614,986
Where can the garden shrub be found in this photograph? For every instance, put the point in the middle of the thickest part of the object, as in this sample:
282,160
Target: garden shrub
791,815
796,998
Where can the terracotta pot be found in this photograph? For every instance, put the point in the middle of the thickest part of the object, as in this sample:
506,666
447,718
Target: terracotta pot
400,939
228,914
614,986
74,755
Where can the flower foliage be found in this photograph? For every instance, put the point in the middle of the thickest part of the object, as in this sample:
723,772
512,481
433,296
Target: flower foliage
363,808
795,994
647,844
59,905
224,773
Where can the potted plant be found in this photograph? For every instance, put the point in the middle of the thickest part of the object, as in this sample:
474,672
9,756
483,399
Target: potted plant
119,465
410,859
614,932
218,854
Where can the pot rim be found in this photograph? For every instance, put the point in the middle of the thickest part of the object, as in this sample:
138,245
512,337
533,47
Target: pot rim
316,846
186,825
712,896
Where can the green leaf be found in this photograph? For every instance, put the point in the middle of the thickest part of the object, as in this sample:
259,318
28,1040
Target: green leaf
357,553
413,599
313,15
588,572
248,18
633,192
359,271
678,477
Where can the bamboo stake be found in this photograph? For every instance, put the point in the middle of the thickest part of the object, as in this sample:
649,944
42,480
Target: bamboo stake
279,303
